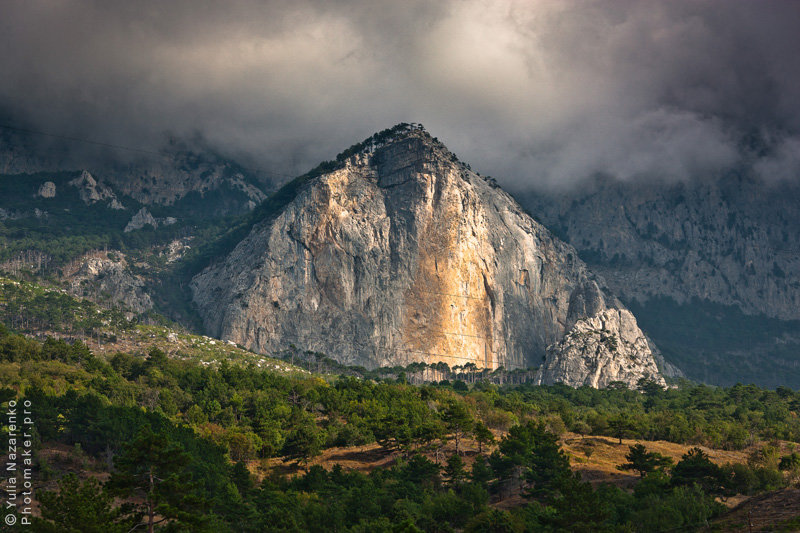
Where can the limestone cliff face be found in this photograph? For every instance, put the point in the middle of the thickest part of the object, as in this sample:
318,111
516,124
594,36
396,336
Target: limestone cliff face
403,254
729,240
599,350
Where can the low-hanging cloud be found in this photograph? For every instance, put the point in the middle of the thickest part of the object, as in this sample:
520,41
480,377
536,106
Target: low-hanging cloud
534,93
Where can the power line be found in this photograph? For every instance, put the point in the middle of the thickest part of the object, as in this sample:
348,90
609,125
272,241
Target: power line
486,340
473,359
439,355
453,295
128,148
77,139
454,333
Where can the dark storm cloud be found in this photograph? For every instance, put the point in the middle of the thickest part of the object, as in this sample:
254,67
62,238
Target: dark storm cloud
531,92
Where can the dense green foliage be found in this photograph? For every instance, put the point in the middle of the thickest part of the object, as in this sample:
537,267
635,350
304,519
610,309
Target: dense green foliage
718,344
83,508
31,307
195,427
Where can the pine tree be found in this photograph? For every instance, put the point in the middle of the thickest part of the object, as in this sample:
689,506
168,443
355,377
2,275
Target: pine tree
483,435
644,462
455,470
154,469
458,420
696,467
481,472
83,508
303,442
621,425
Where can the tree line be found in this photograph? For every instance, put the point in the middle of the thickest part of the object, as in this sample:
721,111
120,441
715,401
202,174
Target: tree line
177,437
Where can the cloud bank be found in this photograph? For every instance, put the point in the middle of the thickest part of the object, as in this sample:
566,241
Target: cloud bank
533,93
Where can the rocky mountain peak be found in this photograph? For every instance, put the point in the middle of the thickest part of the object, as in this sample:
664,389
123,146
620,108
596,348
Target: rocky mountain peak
397,252
410,137
398,133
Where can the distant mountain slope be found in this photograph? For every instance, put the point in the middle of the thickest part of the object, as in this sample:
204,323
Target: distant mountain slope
712,267
178,175
397,252
63,205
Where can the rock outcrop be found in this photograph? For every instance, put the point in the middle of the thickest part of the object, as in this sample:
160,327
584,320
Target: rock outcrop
599,350
602,345
116,205
106,279
92,192
47,190
401,254
175,250
141,219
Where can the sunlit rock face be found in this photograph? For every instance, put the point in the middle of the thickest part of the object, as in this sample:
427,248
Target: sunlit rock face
598,351
402,254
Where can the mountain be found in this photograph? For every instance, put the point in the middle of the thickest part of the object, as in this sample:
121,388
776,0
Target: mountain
117,233
191,179
397,252
711,267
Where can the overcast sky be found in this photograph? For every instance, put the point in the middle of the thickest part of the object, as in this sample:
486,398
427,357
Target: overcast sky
546,92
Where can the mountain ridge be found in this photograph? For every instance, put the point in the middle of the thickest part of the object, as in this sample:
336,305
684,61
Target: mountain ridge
711,266
158,178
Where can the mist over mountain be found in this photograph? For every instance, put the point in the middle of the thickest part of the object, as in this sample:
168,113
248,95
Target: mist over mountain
544,94
574,308
661,140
